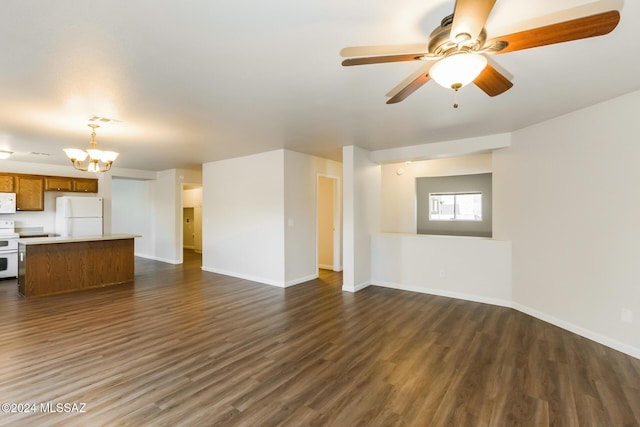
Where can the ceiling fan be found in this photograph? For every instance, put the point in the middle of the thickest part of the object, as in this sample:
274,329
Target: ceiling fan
458,52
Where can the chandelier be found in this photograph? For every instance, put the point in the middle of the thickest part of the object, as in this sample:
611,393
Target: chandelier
99,161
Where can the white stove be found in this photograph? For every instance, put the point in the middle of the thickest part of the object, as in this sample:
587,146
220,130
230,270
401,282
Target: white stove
8,249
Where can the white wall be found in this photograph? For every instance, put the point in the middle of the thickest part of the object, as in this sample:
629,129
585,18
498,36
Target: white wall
475,269
243,217
191,197
259,216
166,217
399,186
131,206
452,148
132,174
566,195
162,235
470,268
300,213
361,212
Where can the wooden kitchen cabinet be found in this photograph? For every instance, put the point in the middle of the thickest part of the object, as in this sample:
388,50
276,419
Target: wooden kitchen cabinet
30,189
29,192
58,183
57,265
7,184
69,184
85,185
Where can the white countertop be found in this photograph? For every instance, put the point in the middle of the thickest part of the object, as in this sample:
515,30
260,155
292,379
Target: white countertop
69,239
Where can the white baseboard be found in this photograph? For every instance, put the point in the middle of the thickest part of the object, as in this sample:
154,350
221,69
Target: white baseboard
155,258
593,336
262,280
245,277
301,280
330,267
443,293
356,288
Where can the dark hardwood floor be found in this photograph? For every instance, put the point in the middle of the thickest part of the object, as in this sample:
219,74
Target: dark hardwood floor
185,347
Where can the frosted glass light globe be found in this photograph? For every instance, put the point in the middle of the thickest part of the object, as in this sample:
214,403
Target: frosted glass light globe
458,69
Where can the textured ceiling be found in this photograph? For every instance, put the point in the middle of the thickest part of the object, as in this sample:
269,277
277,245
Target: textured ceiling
203,80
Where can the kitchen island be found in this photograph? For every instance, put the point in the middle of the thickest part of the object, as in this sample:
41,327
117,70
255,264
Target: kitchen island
55,265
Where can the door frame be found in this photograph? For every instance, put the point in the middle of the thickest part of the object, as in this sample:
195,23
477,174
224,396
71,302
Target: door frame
337,219
183,187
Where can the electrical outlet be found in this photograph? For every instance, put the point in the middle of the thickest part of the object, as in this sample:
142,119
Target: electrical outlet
442,274
626,315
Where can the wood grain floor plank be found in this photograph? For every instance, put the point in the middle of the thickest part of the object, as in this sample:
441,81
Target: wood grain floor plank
181,346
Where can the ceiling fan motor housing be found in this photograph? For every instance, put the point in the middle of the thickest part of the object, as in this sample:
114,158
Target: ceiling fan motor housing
441,42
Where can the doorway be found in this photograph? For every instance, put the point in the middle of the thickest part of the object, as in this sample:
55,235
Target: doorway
188,230
192,217
328,223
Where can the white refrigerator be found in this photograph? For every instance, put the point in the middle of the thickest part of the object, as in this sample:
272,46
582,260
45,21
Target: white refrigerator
78,216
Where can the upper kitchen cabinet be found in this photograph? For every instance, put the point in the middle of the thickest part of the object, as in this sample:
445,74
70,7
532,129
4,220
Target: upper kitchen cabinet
30,189
58,183
85,185
29,192
7,184
65,183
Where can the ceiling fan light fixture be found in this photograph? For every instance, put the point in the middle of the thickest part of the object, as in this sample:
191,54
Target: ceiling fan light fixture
457,69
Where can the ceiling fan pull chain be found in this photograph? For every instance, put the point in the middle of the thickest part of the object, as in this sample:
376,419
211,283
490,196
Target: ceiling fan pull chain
455,88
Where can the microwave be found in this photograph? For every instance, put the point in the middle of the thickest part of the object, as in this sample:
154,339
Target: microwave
7,202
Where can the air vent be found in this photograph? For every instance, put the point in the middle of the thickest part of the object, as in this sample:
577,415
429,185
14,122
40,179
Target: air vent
35,153
102,120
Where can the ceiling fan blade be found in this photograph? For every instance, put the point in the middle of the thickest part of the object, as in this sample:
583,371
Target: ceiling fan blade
469,18
492,82
409,89
499,68
398,49
411,77
574,29
382,59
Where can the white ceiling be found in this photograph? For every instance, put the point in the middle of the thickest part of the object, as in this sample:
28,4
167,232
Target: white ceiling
202,80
